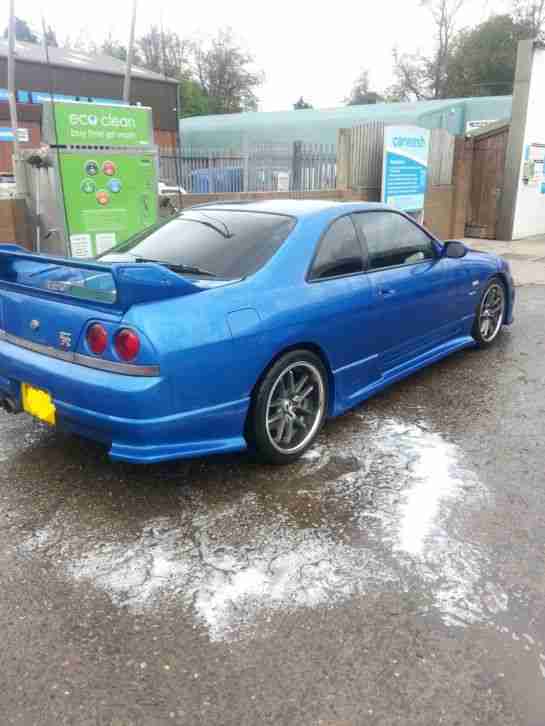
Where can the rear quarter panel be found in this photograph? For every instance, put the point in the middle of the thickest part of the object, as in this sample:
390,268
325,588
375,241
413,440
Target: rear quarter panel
214,345
206,353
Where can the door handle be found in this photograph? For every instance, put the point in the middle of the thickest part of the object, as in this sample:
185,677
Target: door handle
386,292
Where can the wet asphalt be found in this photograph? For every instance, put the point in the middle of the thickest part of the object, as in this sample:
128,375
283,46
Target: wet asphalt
394,576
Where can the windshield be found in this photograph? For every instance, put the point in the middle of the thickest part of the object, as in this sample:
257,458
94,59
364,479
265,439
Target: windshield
226,244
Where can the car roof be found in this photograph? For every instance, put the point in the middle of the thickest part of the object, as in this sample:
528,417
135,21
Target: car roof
293,207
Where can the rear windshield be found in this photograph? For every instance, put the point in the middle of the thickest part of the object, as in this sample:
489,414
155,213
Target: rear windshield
227,244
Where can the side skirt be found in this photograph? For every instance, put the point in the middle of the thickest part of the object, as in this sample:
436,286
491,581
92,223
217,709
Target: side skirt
403,371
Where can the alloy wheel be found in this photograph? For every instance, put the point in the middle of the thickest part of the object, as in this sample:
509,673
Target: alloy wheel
294,407
492,312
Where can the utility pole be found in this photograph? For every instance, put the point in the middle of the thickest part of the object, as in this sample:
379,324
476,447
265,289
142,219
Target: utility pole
163,53
44,37
127,82
12,98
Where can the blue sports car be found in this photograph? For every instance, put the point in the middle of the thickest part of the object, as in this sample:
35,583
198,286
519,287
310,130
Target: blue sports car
235,326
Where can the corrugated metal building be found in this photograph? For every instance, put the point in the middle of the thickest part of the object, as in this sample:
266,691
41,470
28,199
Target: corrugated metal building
78,76
234,131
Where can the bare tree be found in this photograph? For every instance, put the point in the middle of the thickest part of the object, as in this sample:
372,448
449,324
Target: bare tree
224,72
361,93
80,42
411,78
532,14
420,77
113,48
444,14
216,77
165,52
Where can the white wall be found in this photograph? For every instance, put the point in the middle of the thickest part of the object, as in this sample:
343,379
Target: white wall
529,216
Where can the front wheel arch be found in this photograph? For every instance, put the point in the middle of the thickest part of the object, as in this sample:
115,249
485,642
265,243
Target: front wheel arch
499,280
508,302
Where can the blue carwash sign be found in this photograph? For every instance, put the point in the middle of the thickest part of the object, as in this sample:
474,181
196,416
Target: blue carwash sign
6,133
405,167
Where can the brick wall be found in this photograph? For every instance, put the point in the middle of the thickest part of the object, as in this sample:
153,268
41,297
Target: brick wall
165,138
334,195
14,222
6,148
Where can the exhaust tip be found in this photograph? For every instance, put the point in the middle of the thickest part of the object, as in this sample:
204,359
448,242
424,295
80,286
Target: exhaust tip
10,405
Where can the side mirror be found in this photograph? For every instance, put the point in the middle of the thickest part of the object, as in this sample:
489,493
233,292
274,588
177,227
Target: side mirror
454,249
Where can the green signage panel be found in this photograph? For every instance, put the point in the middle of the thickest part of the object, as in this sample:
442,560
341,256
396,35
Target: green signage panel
91,124
109,196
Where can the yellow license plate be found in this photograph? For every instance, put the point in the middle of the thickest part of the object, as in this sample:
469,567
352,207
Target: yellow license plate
38,403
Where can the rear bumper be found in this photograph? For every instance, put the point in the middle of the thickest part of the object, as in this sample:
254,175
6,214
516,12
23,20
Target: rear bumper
109,408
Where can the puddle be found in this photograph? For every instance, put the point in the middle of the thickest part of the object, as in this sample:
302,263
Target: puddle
228,577
393,522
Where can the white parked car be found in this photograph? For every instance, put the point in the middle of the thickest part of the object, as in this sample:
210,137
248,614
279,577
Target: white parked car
7,185
166,188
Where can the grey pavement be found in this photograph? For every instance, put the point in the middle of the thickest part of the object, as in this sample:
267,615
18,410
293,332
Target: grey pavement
393,577
526,257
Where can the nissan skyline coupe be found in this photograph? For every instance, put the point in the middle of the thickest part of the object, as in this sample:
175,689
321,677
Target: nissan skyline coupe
237,326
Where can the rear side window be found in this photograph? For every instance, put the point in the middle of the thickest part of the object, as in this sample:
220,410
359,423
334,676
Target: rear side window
339,252
393,240
228,244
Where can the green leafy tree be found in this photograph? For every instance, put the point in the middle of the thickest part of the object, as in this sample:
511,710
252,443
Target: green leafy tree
193,101
483,59
301,105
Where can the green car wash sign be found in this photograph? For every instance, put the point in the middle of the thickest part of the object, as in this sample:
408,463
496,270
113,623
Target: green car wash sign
109,196
90,124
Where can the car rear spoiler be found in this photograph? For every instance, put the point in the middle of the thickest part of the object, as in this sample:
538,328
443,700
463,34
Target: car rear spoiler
114,285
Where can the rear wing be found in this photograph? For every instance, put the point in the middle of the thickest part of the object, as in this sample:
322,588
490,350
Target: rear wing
109,285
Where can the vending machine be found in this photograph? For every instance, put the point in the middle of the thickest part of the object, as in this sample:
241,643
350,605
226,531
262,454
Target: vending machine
103,176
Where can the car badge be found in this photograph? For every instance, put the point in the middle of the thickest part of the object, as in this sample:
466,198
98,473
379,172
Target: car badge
65,340
34,324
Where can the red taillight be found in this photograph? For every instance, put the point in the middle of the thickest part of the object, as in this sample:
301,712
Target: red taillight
97,338
127,344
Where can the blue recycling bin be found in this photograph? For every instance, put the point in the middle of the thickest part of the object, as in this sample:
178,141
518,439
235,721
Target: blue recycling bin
226,179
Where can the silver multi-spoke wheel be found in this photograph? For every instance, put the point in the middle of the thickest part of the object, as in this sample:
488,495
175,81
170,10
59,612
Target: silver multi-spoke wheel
492,312
295,407
289,405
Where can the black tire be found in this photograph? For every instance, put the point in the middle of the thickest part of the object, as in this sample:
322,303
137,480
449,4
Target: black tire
483,336
275,400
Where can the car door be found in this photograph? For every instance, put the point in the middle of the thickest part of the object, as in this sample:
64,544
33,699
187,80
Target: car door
341,309
413,287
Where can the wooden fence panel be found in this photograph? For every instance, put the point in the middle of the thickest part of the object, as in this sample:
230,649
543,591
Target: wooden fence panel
441,159
367,152
360,157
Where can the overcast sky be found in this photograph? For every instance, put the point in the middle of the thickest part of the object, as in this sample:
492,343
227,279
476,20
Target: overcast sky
304,47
